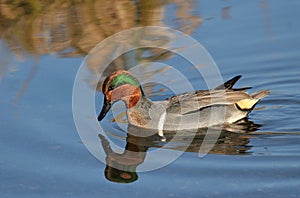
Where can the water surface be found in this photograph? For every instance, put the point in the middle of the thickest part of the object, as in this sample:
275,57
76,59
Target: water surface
42,48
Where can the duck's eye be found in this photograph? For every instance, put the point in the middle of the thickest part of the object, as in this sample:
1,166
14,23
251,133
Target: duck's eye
110,88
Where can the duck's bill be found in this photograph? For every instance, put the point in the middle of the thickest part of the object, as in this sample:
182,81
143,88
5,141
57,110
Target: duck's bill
105,109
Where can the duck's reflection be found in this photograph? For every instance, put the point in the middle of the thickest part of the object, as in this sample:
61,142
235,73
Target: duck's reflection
121,168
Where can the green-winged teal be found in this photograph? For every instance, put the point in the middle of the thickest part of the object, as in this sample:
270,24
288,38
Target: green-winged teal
185,111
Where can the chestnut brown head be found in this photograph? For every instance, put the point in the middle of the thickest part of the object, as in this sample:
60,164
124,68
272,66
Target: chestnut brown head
120,85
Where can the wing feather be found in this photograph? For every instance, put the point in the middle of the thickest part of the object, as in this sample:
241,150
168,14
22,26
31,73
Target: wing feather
193,101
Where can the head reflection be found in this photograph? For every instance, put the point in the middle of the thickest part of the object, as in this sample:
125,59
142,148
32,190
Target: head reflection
121,168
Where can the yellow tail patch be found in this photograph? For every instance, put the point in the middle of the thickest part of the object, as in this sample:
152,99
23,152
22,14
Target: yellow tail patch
246,103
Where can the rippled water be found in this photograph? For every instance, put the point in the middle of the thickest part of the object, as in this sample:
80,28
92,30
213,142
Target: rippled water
42,153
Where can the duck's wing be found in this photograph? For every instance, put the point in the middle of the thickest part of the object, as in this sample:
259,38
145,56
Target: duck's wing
223,94
195,101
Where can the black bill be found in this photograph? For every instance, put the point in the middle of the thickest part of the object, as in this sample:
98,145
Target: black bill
105,109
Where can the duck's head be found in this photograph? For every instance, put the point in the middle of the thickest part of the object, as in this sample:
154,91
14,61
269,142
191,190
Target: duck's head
120,85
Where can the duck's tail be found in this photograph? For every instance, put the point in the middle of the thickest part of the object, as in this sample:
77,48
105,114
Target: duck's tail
249,104
260,94
230,83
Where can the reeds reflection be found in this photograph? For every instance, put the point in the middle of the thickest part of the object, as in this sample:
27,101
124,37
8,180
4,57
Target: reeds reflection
121,168
73,28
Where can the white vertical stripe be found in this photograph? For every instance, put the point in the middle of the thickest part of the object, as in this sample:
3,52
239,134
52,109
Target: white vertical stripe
161,123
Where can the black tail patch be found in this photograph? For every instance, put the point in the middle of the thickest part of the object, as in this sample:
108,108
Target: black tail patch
230,83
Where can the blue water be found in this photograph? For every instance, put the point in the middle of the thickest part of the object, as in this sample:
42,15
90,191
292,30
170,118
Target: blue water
42,153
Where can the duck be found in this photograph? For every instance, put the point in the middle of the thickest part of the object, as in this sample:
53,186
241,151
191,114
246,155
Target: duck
191,110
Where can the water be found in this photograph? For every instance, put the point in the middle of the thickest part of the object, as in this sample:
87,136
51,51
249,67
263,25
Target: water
42,153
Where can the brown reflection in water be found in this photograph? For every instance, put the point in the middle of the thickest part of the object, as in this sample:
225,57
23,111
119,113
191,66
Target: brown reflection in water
121,168
73,28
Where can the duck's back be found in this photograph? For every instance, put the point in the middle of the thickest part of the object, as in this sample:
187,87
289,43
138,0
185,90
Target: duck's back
208,108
